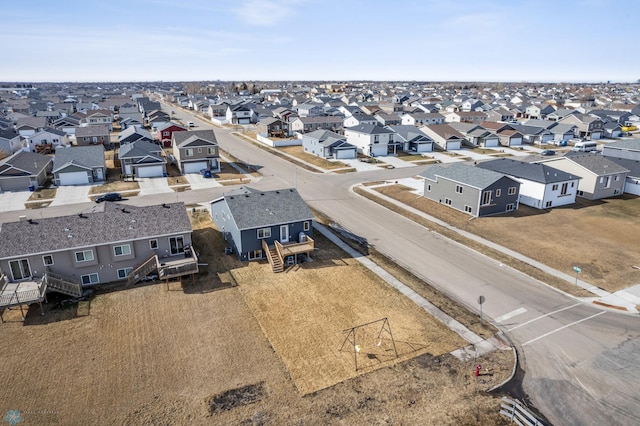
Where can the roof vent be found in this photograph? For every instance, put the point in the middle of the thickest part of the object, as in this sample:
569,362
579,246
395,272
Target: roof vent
166,206
124,210
66,229
30,220
82,215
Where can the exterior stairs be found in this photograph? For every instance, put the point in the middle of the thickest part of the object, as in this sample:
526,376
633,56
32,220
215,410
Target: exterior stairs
63,285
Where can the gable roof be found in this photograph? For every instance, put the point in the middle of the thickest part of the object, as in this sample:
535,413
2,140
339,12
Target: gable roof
535,172
199,137
595,163
140,148
632,165
105,223
251,208
474,177
85,156
625,144
88,131
24,163
369,129
410,133
135,130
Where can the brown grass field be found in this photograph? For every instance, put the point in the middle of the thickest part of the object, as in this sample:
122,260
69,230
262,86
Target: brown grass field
600,237
241,345
298,152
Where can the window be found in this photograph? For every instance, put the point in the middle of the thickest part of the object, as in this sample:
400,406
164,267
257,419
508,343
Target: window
563,189
459,189
486,198
84,256
554,187
199,150
467,208
547,204
124,272
447,201
47,259
264,233
306,226
511,207
429,188
20,269
176,245
122,250
211,151
512,190
89,279
188,152
498,192
616,178
256,254
376,139
153,244
165,133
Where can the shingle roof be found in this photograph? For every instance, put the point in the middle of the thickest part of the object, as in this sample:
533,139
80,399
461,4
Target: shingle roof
251,208
184,138
140,148
88,156
106,223
596,163
535,172
30,162
474,177
369,129
625,144
95,130
410,133
632,165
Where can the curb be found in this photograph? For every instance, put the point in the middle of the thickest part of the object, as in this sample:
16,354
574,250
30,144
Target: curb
513,372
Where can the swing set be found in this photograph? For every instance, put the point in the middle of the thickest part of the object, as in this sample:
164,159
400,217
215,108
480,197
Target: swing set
357,339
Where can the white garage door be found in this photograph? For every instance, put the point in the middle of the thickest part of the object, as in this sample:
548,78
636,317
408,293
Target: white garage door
632,186
150,171
74,178
346,153
194,167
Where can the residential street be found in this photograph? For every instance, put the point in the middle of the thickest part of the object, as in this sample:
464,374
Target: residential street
577,360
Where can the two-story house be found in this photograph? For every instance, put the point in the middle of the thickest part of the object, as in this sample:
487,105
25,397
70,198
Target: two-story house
92,135
472,190
370,139
541,186
142,159
255,224
196,150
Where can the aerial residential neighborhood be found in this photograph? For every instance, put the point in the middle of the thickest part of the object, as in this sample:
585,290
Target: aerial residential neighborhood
459,150
320,213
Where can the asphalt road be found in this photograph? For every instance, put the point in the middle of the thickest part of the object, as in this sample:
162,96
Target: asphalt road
578,360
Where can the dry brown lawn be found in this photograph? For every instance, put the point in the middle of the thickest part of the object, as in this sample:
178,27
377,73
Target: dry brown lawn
217,351
298,152
600,237
43,194
115,186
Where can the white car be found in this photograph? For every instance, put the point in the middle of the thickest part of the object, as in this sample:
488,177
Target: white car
190,124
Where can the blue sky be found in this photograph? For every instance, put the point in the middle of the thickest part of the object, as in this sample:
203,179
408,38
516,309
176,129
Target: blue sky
492,40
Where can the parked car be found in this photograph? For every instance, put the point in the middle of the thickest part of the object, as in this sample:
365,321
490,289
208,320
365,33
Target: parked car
190,124
559,143
110,196
547,152
206,173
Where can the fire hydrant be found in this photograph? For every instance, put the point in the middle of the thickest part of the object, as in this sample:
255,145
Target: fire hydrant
478,368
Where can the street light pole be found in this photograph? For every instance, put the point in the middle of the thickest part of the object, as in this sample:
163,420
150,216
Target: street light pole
577,271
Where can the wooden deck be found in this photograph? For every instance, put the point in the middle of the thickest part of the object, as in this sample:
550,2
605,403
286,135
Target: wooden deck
278,254
21,293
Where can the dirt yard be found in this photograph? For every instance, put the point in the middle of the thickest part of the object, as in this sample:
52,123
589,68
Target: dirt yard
600,237
241,345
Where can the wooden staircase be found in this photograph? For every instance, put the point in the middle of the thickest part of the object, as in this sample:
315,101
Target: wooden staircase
142,270
63,285
275,260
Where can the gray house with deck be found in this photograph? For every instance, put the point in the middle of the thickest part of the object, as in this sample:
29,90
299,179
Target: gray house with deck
472,190
276,224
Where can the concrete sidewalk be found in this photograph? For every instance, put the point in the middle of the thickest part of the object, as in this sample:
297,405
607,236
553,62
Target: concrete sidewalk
478,345
624,300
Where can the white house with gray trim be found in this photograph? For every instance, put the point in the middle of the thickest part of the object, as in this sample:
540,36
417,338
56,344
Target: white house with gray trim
370,139
541,186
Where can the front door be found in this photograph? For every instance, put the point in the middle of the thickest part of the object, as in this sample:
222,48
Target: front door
99,174
284,233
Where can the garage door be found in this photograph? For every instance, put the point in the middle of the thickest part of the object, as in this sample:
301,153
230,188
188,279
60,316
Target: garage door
346,153
150,171
15,184
194,167
74,178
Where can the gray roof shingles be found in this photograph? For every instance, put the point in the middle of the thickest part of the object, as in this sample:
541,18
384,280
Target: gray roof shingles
251,208
535,172
474,177
88,156
105,223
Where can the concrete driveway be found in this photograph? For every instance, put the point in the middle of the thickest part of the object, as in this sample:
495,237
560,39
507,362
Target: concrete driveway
198,181
71,195
10,201
150,186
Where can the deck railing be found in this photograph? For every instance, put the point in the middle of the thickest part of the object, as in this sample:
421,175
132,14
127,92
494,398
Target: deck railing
63,284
